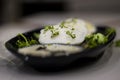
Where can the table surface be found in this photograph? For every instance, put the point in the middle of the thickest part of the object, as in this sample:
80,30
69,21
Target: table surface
106,68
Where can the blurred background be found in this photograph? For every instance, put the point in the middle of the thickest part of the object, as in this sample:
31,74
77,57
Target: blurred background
15,10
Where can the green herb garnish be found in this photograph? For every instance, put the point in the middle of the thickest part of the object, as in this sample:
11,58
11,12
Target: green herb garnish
62,25
71,34
48,28
73,29
25,42
109,31
53,30
95,40
54,33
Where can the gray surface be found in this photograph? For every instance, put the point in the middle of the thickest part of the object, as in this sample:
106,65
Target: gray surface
106,68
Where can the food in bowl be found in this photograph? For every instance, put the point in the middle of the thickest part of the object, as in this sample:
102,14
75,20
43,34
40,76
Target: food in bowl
52,54
70,31
67,37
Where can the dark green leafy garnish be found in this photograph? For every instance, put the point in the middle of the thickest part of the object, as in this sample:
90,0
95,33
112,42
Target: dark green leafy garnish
71,34
73,29
25,42
62,25
109,31
48,28
53,30
54,33
95,40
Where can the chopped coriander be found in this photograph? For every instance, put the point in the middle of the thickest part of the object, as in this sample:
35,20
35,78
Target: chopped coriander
21,44
73,29
54,34
101,38
95,40
32,41
48,28
62,25
24,39
71,34
53,30
25,42
109,31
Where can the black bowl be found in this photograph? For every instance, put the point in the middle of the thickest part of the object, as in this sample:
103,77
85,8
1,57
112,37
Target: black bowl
55,62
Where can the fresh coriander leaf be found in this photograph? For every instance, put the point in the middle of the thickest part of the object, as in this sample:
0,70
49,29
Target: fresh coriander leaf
101,38
54,34
73,29
48,28
94,40
71,34
62,25
25,42
109,31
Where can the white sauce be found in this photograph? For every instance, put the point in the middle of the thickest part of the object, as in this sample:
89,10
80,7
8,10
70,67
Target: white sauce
49,49
80,31
31,50
66,48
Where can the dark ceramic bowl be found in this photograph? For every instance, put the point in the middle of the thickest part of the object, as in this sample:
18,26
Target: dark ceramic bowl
56,62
